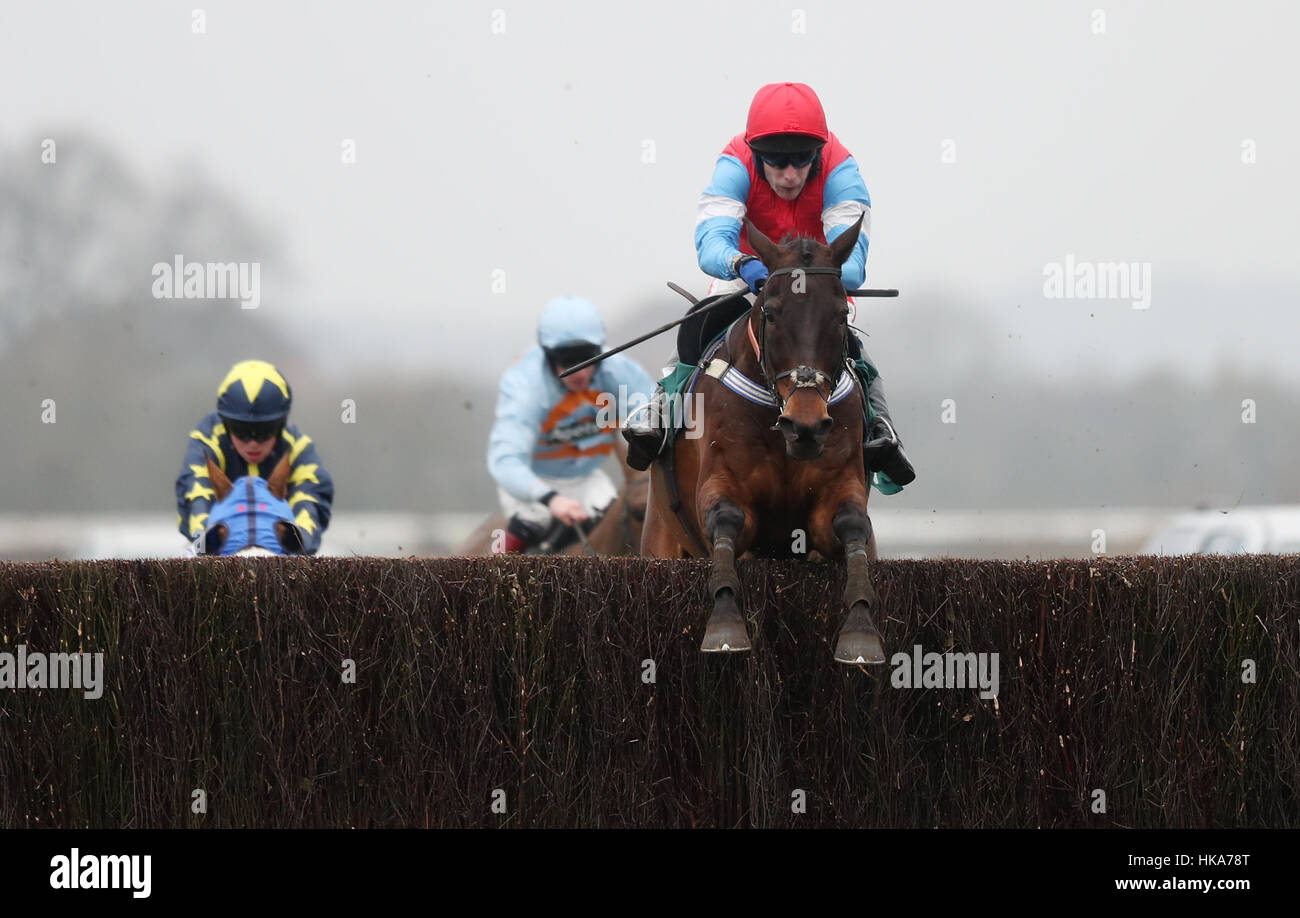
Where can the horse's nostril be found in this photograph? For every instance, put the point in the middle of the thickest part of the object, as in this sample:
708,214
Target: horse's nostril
793,430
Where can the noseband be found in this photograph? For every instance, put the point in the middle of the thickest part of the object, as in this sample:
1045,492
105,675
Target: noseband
803,377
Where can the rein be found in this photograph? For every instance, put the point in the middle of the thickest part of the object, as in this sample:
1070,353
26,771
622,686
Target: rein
803,377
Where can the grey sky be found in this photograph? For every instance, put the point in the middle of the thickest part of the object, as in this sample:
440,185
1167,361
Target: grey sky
523,151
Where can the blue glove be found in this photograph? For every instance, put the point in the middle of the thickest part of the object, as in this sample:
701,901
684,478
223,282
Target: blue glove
753,272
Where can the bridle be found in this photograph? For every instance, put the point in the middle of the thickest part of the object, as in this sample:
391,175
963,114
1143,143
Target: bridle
803,377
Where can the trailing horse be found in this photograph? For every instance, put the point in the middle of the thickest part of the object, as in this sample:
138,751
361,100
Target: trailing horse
618,533
251,515
782,417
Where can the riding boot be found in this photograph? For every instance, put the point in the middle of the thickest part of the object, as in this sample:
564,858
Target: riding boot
646,429
882,450
522,535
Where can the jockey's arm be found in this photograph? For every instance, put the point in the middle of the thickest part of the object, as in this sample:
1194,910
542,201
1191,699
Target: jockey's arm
311,489
719,217
194,491
844,199
514,438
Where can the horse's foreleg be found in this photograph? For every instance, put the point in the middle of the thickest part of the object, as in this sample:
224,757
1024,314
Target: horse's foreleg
726,630
859,641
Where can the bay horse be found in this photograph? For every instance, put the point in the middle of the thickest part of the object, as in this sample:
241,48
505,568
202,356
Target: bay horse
251,516
781,448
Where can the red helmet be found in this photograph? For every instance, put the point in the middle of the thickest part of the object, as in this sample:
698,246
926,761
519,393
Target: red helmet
788,115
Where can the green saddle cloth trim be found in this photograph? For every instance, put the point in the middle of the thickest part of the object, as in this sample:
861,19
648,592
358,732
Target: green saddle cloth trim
675,382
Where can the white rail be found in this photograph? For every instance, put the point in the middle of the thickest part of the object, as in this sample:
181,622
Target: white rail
902,533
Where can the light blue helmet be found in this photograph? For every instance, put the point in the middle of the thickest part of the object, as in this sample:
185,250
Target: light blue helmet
569,321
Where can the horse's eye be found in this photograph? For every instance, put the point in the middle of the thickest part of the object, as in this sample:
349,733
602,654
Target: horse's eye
768,314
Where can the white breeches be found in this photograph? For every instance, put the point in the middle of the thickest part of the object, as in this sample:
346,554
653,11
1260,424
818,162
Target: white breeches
595,492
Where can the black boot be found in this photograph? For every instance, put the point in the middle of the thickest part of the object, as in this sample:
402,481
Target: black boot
522,536
645,432
882,450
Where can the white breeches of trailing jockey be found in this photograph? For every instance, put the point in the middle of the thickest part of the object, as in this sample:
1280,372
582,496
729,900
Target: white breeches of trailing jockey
595,492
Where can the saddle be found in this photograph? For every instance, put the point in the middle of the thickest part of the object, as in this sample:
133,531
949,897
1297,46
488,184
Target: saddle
698,331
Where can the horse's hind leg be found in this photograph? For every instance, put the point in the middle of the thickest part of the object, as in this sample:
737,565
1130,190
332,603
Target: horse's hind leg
859,641
726,630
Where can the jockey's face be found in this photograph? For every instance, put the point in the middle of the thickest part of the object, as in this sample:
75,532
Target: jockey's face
253,450
579,380
787,182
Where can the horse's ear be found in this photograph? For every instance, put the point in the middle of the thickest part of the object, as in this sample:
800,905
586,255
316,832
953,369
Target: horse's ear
765,247
220,483
278,483
843,245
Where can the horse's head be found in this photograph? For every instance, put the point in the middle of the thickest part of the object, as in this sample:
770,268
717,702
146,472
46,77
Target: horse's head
800,321
246,505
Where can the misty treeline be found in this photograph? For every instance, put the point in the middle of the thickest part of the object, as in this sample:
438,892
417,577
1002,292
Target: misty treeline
129,375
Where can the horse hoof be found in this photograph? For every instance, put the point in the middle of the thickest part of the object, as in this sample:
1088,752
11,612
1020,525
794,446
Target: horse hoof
728,638
726,632
859,647
859,642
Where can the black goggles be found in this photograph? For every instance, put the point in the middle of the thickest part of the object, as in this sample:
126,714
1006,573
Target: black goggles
566,357
253,431
781,160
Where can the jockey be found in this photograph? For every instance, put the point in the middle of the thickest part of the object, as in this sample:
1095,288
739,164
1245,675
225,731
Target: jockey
789,175
552,435
248,434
